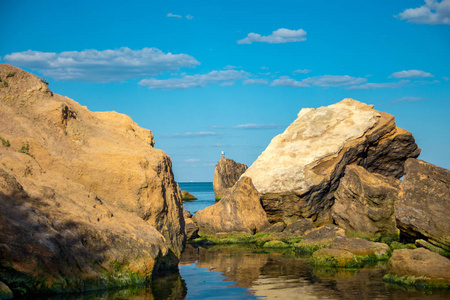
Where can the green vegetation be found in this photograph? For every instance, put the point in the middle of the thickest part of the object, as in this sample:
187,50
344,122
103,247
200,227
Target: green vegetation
309,248
335,262
397,245
25,149
421,282
5,142
5,83
387,239
259,239
10,74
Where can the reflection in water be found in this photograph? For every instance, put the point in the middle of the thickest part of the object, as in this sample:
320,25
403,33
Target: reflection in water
240,272
276,275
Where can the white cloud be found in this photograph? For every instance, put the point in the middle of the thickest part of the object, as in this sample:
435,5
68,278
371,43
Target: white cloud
390,85
264,68
410,99
230,67
192,160
256,126
334,80
322,81
411,74
171,15
197,80
289,82
194,134
302,71
189,17
432,12
279,36
255,81
102,66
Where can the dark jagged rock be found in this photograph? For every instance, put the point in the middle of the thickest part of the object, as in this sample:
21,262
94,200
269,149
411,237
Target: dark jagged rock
226,173
422,211
364,203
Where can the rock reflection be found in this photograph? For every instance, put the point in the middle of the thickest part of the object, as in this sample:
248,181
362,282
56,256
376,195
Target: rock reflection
276,275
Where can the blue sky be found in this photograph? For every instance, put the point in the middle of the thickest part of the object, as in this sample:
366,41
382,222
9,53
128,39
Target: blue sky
211,76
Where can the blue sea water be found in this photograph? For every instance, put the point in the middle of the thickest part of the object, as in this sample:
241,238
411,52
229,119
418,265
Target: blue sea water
204,193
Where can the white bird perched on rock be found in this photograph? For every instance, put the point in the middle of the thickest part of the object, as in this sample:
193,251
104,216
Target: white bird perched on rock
223,153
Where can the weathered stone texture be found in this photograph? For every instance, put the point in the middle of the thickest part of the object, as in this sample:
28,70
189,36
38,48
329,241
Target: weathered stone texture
226,173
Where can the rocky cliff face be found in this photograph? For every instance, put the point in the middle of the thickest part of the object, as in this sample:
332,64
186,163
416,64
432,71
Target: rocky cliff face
364,203
300,170
226,173
424,204
81,192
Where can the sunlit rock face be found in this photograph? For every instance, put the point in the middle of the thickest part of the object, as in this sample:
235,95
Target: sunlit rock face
81,190
240,210
300,170
226,174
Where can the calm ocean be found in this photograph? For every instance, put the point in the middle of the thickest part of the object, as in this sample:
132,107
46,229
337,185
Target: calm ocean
204,193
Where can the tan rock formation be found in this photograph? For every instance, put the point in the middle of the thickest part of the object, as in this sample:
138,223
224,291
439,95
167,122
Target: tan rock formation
87,190
226,173
186,196
239,210
299,171
422,211
426,266
364,203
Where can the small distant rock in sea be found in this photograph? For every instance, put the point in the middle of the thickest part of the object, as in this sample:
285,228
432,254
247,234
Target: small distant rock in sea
186,196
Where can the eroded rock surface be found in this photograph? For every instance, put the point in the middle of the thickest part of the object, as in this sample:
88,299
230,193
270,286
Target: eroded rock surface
239,210
364,203
300,170
226,173
86,193
423,208
421,263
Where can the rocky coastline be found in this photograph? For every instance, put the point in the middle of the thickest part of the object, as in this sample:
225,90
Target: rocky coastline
88,202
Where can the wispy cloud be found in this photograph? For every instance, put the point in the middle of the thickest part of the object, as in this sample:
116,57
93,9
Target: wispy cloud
230,67
255,81
197,80
279,36
410,99
171,15
192,160
289,82
384,85
334,80
432,12
411,74
194,134
322,81
302,71
257,126
101,66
